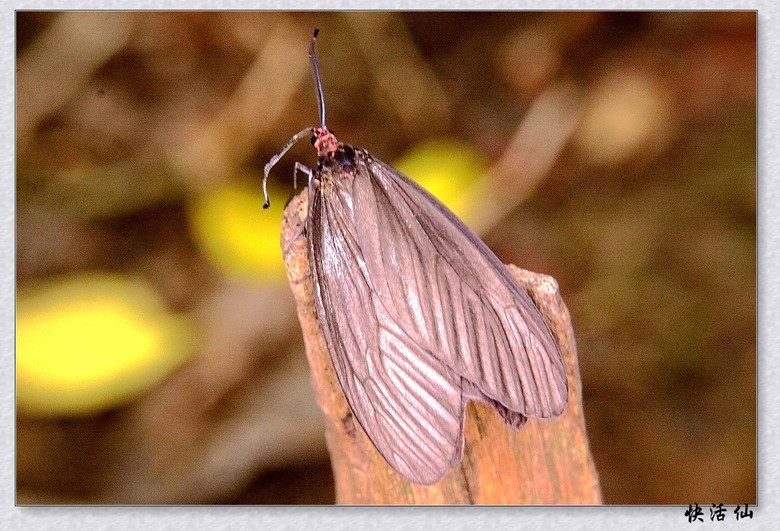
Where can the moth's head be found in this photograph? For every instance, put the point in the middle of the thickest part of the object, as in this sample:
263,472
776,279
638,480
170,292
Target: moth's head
324,141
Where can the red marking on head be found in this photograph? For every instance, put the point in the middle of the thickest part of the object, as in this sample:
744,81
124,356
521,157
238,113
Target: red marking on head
324,141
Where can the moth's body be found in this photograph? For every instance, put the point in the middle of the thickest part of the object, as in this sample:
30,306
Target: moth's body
418,315
401,300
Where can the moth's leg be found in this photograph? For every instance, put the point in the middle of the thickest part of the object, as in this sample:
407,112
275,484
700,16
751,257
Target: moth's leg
303,169
275,159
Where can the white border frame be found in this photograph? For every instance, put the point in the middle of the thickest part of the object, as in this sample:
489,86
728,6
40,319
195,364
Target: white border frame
450,518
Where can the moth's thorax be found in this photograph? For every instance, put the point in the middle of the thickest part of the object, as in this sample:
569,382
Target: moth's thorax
334,158
340,164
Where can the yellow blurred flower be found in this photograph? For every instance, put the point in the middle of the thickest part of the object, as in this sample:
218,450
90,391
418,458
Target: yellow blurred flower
450,170
88,343
236,233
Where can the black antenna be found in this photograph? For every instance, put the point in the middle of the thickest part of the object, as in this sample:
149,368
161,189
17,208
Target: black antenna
315,71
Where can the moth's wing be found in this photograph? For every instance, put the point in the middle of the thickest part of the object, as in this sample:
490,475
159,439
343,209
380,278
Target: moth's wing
452,296
408,402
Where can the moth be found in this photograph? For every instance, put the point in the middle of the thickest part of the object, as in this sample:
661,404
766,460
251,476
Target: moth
418,315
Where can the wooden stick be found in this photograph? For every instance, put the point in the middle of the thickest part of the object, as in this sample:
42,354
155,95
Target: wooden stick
545,462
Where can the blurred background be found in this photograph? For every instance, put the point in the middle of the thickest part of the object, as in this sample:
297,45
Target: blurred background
159,358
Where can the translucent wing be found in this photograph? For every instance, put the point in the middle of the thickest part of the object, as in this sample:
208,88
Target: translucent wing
419,315
461,300
408,402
